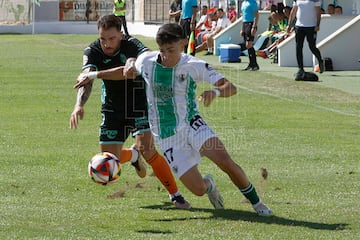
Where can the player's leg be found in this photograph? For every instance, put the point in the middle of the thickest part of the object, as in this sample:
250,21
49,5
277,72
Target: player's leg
112,148
214,149
145,144
184,159
113,134
111,139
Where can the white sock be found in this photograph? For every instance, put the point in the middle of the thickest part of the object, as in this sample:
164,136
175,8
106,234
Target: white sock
134,155
174,195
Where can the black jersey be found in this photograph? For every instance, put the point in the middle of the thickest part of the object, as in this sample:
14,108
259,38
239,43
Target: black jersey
126,97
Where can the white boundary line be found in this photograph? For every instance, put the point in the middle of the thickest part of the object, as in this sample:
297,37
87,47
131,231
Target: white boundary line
291,100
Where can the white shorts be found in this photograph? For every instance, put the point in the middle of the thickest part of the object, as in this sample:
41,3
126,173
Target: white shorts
182,149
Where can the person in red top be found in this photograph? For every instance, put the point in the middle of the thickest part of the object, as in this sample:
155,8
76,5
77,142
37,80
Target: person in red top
232,15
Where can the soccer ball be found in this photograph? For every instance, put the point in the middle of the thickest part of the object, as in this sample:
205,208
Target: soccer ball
104,168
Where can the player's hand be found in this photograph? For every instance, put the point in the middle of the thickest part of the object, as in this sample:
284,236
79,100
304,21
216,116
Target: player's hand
207,97
81,80
84,78
129,68
77,113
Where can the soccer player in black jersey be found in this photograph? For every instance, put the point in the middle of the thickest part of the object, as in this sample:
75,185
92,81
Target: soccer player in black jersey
124,109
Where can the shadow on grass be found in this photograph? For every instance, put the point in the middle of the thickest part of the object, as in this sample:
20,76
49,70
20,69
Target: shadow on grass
231,214
154,232
344,75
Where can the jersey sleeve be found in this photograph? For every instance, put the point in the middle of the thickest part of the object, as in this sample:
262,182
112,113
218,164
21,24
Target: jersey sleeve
135,47
143,62
139,63
90,59
203,71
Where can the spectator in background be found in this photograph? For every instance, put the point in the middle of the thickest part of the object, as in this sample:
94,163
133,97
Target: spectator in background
270,3
331,9
175,10
273,8
287,11
338,10
203,22
232,14
271,50
222,23
212,18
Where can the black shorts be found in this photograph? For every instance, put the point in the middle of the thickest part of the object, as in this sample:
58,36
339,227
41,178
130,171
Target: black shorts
247,32
114,129
185,24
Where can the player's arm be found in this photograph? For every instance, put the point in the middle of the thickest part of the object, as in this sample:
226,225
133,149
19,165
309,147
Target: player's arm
318,18
84,79
223,88
84,92
82,96
118,73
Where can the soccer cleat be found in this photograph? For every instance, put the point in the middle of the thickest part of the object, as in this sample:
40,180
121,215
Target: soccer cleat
248,68
208,53
180,202
214,196
255,68
139,164
262,210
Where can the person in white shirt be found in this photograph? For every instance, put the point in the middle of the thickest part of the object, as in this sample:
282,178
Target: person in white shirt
308,16
222,22
201,24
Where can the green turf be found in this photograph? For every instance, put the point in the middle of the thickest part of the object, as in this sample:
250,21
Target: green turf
306,134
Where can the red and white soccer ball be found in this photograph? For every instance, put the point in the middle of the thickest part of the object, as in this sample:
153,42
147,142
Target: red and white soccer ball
104,168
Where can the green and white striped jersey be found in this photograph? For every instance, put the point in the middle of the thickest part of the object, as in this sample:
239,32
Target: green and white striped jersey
171,91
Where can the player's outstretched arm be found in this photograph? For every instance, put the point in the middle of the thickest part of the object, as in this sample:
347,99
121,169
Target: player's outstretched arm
223,88
83,95
117,73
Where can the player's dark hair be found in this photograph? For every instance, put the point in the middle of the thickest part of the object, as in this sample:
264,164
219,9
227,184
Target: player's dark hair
169,33
109,21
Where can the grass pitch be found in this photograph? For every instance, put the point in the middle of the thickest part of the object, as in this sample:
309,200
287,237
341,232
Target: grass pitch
306,134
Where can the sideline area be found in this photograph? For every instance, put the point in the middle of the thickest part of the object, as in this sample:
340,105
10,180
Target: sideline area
136,28
348,81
